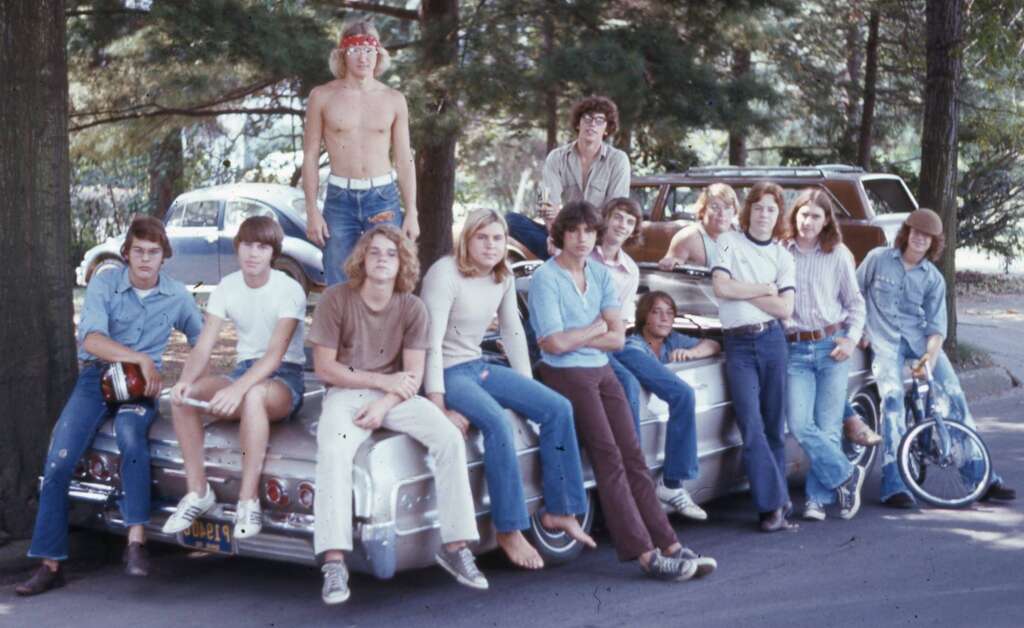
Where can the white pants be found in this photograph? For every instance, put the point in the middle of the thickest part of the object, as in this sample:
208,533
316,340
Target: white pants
338,439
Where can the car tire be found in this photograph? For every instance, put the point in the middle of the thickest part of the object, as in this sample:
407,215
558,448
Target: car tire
294,270
558,547
104,265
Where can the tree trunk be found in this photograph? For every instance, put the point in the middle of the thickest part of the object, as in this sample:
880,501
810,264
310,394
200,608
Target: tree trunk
166,172
854,58
867,121
550,88
943,41
36,332
738,137
435,152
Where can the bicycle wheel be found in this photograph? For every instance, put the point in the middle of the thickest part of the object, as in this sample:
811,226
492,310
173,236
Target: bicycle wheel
954,480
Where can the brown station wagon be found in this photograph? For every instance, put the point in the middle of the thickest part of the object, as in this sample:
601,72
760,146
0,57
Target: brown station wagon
871,205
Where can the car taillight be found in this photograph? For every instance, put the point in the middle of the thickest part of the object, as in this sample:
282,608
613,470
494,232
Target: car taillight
306,494
99,468
276,493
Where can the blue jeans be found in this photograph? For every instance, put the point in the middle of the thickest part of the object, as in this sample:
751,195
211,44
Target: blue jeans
643,369
481,391
288,373
351,213
83,414
529,233
755,369
815,399
887,366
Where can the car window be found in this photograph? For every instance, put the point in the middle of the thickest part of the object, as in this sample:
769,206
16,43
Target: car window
645,196
198,214
888,196
681,203
238,210
175,214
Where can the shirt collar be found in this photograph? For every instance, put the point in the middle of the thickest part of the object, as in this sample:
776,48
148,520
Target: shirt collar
756,241
124,283
795,248
602,153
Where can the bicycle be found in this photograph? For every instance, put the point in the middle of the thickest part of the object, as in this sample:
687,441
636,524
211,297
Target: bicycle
943,462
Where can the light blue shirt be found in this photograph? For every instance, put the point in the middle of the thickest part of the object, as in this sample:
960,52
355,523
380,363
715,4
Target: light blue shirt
674,341
112,308
556,304
902,303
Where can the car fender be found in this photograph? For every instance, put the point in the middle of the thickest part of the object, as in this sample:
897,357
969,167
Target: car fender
110,247
308,255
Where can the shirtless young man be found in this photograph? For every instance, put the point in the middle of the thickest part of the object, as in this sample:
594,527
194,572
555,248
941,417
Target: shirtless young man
697,244
364,124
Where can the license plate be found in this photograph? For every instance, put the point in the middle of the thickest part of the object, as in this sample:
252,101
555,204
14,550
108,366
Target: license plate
208,536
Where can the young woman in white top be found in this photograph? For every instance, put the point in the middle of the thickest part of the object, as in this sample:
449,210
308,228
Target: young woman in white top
463,292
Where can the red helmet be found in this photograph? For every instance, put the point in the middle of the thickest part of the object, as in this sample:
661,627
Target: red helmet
123,382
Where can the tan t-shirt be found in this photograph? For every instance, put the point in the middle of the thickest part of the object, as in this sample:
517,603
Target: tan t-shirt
368,340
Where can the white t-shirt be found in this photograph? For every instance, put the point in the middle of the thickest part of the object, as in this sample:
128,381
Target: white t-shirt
753,262
255,312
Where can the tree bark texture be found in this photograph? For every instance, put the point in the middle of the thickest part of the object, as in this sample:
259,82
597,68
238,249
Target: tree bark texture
939,152
854,60
166,172
867,120
36,329
551,89
435,153
738,137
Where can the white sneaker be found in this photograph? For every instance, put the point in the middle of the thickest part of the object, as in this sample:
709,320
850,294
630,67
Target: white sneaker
680,501
248,519
335,589
813,511
189,508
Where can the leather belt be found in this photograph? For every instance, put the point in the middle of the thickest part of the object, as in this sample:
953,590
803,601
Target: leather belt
362,184
817,334
747,330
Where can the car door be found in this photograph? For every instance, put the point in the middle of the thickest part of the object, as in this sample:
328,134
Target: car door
236,210
658,228
193,232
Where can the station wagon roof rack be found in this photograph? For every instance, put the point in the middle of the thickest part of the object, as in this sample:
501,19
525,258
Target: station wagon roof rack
772,171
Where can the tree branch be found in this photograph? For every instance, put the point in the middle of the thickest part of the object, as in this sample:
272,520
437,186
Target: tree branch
382,9
156,112
85,12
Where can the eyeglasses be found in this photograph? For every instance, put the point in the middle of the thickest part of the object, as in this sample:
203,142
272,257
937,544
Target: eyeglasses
595,120
719,208
365,51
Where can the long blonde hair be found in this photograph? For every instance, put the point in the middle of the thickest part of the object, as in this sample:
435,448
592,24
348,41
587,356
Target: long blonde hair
408,260
475,221
358,27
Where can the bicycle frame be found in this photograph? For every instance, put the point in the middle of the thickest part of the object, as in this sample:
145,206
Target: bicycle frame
922,404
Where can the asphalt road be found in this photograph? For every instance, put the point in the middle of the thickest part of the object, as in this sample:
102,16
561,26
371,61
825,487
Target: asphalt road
885,568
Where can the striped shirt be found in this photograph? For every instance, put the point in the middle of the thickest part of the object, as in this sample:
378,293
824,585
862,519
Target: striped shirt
826,291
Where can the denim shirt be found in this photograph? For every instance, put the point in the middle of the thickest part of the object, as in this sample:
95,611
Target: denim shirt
674,341
112,308
909,304
556,304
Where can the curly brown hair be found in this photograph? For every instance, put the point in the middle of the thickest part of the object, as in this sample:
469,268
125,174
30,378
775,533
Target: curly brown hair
596,104
759,189
408,260
934,252
830,236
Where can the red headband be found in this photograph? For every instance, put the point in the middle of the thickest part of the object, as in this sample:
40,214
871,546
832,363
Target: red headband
359,40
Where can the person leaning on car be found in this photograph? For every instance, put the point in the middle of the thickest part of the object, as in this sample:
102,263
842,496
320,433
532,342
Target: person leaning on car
127,316
586,169
754,280
370,338
574,310
697,244
906,304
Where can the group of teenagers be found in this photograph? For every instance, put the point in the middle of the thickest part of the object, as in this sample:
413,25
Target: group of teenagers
792,307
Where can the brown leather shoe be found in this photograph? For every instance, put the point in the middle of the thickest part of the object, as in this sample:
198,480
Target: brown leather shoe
136,560
43,579
857,431
775,521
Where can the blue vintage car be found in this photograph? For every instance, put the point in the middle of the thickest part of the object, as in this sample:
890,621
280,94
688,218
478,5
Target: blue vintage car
201,225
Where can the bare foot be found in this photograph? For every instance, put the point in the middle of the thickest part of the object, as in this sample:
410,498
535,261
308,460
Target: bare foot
569,525
519,550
